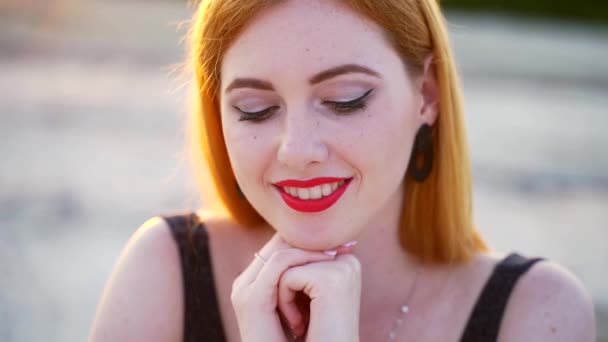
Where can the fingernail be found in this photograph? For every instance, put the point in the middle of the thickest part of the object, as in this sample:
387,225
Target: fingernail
331,252
350,243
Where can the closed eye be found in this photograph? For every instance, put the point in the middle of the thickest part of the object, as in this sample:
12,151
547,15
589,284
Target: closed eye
345,107
256,116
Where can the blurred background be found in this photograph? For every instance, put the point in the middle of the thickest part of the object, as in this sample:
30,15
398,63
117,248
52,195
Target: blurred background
92,115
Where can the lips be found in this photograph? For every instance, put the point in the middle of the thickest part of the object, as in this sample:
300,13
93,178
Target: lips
304,186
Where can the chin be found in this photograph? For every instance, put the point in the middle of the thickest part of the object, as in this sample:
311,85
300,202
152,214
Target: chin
309,237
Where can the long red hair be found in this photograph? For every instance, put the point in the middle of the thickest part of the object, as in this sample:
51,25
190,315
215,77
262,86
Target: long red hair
437,223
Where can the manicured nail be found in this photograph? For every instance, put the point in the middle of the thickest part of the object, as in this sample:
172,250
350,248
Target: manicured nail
331,252
350,243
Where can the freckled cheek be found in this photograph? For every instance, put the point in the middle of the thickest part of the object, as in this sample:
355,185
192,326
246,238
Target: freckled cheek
358,143
249,151
380,142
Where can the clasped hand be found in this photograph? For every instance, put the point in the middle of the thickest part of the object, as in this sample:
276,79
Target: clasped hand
298,293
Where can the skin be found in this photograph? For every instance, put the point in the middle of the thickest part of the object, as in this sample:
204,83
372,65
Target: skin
305,137
353,295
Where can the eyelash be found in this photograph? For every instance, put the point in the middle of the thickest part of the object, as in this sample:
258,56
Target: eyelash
340,108
343,108
256,116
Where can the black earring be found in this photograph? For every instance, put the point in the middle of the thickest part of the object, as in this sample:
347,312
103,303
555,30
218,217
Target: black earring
239,191
423,148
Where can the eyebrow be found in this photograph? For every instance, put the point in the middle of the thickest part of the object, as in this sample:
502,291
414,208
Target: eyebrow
249,83
341,70
316,79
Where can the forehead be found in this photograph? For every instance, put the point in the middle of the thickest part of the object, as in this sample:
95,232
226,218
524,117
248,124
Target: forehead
303,37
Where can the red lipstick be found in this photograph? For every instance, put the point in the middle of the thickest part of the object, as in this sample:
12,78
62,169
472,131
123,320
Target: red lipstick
312,205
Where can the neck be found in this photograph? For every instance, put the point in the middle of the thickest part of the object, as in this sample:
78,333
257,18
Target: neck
387,269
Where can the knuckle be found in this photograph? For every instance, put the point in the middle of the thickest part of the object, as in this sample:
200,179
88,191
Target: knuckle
276,258
354,263
238,293
283,257
334,280
242,297
287,276
238,282
350,265
236,298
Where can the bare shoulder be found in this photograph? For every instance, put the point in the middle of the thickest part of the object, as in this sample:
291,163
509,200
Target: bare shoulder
142,300
549,304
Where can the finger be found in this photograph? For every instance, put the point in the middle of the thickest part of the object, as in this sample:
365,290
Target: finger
301,307
303,303
294,284
288,306
268,277
344,249
251,271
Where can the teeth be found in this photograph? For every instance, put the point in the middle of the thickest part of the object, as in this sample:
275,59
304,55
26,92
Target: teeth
304,193
315,192
326,189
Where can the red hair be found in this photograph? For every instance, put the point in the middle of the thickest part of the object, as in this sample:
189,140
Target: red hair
436,224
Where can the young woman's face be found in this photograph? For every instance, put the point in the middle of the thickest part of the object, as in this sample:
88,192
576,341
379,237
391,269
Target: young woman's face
310,91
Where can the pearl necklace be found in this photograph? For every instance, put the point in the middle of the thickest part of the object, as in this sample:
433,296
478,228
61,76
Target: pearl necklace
403,310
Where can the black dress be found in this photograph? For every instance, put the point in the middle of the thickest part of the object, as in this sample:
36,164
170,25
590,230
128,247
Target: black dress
202,320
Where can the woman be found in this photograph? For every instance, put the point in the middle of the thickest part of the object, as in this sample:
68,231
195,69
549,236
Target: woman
333,134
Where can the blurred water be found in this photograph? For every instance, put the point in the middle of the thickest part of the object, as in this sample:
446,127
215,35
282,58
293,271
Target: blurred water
91,132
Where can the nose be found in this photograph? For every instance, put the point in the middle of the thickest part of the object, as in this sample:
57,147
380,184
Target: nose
301,142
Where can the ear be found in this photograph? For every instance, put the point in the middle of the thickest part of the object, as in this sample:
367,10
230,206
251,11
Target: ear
429,90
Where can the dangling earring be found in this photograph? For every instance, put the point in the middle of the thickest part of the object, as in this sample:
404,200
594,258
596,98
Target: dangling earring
239,191
423,148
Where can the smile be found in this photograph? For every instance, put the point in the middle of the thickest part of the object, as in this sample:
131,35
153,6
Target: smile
312,195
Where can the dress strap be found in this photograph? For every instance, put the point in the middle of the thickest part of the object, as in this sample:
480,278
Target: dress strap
486,317
202,320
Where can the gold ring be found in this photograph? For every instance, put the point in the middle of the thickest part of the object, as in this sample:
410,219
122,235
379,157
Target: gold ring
257,255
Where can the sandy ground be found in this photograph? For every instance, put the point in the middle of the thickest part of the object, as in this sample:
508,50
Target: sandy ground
91,132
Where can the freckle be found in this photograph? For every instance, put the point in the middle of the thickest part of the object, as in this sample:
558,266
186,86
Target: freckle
255,137
553,329
307,50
